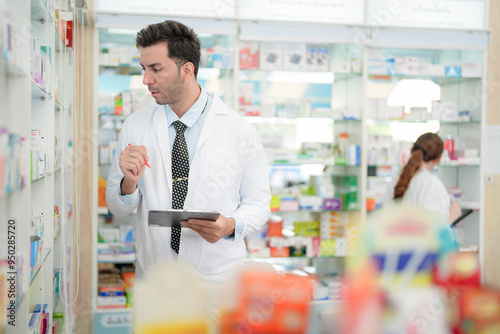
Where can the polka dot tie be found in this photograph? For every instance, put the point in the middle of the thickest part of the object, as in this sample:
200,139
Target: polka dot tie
180,173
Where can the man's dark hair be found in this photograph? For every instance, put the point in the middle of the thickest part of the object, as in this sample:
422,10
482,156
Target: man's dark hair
182,42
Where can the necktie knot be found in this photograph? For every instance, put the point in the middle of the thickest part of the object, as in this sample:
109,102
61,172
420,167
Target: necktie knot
179,126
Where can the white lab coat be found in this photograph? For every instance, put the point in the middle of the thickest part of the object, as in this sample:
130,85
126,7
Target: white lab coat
425,190
228,174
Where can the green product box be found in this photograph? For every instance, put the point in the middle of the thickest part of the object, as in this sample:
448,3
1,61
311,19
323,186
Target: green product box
351,201
307,228
340,161
130,296
352,181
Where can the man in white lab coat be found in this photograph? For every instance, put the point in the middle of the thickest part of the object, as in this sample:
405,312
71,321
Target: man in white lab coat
227,164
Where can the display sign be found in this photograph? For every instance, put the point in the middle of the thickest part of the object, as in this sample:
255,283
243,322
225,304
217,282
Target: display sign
451,14
172,8
113,322
316,11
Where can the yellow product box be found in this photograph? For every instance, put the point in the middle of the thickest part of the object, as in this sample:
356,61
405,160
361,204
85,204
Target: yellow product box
328,247
307,228
275,203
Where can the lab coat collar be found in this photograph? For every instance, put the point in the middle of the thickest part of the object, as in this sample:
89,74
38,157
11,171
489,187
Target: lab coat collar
192,115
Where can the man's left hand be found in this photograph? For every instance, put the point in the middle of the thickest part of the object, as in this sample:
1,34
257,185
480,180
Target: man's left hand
210,230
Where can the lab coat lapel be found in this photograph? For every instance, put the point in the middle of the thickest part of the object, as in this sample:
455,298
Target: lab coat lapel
161,128
217,108
208,127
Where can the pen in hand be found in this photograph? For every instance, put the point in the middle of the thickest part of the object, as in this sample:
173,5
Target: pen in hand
145,162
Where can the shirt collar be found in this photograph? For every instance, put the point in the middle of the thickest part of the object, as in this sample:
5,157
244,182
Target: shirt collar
192,115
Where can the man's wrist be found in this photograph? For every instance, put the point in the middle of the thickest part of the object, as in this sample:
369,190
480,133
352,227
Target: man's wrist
232,228
127,187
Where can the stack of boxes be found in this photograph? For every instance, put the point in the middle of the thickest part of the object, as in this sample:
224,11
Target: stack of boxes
347,189
380,64
329,237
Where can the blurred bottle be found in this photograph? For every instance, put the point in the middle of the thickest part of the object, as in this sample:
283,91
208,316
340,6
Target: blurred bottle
343,141
449,145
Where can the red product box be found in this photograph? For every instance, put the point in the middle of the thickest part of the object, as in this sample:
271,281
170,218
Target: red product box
479,311
458,269
69,33
249,56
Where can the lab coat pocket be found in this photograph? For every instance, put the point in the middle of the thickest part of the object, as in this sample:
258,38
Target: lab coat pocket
221,169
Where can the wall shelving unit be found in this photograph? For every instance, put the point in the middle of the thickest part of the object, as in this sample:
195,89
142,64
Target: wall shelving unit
30,103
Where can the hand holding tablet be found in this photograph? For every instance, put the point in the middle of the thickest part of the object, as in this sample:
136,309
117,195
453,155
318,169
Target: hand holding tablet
173,218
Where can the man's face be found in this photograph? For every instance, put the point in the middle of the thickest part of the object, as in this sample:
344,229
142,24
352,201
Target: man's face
161,74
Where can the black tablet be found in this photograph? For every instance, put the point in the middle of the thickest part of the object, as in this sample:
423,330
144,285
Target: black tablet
173,218
465,213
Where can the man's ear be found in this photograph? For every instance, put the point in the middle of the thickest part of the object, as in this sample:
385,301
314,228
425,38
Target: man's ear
187,71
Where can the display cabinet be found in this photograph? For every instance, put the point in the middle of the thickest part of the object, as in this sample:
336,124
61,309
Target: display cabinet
435,88
322,94
37,192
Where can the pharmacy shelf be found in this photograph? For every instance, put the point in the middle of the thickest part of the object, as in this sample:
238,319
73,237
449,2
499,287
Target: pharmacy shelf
437,79
450,164
309,211
114,117
326,302
458,164
266,259
59,106
38,92
392,121
328,162
38,109
204,73
40,178
39,11
123,69
45,255
114,310
117,261
313,77
290,120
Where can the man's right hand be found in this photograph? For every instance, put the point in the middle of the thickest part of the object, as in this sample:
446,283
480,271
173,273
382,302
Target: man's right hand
132,164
